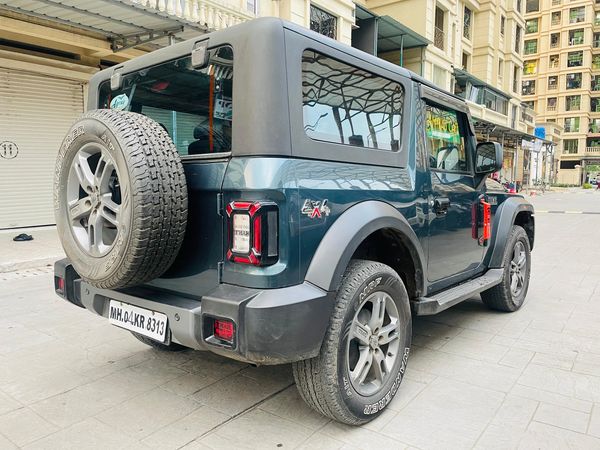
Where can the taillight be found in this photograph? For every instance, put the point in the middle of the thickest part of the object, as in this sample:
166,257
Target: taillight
59,285
252,233
224,330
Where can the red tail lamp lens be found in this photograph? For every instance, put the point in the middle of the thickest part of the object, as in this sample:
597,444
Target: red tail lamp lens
224,330
60,284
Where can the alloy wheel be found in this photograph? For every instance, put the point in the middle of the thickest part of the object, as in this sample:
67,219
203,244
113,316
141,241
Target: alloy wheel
518,269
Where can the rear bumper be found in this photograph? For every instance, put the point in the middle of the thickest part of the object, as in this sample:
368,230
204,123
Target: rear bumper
273,326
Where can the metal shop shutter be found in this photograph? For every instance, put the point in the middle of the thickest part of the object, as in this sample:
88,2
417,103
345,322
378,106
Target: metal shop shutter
35,113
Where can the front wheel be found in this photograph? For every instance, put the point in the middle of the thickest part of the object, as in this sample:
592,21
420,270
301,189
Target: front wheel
364,354
510,294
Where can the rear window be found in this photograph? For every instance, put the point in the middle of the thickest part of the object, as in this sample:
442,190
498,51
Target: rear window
193,105
348,105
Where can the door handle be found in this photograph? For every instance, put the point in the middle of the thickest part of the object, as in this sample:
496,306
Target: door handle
441,205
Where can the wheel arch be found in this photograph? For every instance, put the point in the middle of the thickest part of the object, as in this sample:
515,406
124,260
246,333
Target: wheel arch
513,211
351,236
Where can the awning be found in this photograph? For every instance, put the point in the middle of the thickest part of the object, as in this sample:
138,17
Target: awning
392,35
464,76
125,23
500,132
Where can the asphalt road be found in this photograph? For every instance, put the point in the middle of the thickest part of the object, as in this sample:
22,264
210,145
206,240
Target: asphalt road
476,378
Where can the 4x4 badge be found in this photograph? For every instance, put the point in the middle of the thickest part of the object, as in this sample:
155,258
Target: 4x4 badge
314,208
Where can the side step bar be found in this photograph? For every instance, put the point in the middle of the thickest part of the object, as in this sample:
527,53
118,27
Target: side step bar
426,306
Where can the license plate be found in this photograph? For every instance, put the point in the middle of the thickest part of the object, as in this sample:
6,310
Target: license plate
143,321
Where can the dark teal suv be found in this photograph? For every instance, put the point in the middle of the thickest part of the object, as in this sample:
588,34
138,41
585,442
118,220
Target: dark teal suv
273,196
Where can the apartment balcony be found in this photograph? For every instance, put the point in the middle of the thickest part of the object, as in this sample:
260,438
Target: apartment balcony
214,14
592,151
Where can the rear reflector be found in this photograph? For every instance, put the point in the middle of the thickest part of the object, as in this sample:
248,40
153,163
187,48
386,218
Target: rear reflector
224,330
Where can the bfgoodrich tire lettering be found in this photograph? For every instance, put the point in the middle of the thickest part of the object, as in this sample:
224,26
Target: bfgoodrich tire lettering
330,383
120,198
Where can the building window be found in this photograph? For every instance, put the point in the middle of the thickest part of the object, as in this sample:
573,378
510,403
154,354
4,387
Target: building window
439,77
439,36
531,26
594,126
576,37
577,15
595,83
555,2
518,39
532,6
502,25
597,18
252,6
556,18
530,67
551,103
595,61
500,68
573,81
554,61
595,104
348,105
465,61
515,86
570,146
528,87
596,41
573,102
529,104
552,82
530,46
322,22
571,124
575,59
554,40
467,21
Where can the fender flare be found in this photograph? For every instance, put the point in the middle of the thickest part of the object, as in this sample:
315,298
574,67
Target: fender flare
504,219
345,235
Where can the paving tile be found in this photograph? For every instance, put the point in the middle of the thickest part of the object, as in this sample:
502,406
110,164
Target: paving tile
446,414
187,429
90,434
362,438
209,364
228,397
498,437
24,426
594,428
543,436
516,358
552,398
8,404
188,383
480,350
289,405
147,413
557,361
320,441
570,384
5,444
562,417
257,429
515,413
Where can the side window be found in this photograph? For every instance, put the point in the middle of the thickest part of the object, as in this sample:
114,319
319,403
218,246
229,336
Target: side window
446,140
348,105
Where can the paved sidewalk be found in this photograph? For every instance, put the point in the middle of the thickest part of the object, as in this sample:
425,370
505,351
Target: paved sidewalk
475,379
43,250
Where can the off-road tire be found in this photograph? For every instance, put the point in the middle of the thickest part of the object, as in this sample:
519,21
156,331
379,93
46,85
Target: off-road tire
151,174
172,347
323,380
500,296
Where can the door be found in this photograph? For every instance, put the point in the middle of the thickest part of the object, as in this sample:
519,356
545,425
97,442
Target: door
452,249
36,112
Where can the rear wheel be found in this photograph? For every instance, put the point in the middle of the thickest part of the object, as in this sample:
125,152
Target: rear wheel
365,351
510,294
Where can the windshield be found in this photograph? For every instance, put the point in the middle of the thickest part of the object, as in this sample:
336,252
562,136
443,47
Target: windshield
193,105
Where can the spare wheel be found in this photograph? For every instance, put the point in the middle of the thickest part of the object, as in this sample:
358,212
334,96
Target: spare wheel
120,198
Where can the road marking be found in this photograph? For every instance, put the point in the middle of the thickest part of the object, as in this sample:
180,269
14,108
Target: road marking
573,212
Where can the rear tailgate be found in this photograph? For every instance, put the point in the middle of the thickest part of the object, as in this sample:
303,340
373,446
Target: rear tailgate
195,271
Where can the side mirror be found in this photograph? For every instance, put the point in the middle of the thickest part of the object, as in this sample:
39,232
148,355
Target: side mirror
488,157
